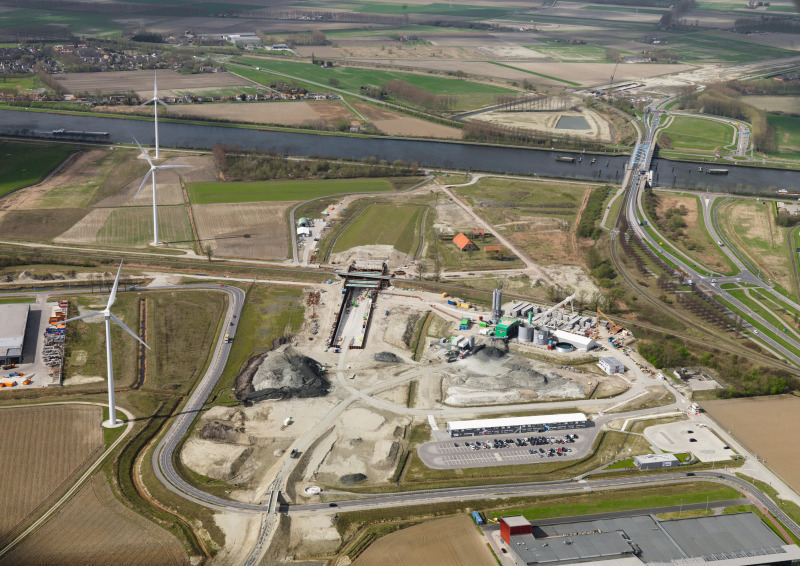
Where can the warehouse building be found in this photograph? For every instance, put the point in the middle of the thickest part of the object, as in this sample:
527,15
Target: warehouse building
655,461
515,425
13,320
579,341
725,540
611,365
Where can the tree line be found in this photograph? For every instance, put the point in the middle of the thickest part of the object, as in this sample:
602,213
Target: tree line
238,165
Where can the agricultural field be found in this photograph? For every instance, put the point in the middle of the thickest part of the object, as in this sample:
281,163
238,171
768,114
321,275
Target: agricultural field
572,53
300,190
352,78
250,230
283,113
141,82
24,164
94,528
131,227
384,224
44,449
787,133
698,134
751,227
694,240
538,216
424,544
756,422
39,225
396,124
788,104
438,9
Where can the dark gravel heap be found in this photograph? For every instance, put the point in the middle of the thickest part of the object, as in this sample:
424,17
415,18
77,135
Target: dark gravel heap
352,479
388,357
219,432
283,374
492,352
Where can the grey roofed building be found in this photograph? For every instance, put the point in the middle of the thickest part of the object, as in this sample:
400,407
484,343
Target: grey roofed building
738,539
13,320
570,549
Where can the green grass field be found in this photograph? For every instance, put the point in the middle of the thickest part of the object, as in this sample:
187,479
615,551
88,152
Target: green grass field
698,134
572,53
133,226
24,164
459,10
787,133
352,78
384,224
258,191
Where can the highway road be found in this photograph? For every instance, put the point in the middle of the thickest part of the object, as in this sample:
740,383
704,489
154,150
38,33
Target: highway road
635,213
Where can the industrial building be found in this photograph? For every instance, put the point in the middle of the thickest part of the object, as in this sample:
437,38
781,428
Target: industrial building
579,341
13,320
726,540
655,461
515,425
611,365
506,328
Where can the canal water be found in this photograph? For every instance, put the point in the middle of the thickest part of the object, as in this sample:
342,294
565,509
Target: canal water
456,155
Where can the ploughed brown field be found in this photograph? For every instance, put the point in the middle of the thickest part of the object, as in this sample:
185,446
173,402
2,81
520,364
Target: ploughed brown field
445,542
43,451
120,82
765,425
94,528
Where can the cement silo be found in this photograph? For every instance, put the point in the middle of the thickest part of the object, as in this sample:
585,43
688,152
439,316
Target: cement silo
525,334
541,336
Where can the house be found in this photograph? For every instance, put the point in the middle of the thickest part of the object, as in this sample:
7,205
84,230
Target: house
464,243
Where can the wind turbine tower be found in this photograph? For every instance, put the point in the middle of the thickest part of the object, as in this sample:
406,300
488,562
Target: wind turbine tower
152,173
108,316
156,101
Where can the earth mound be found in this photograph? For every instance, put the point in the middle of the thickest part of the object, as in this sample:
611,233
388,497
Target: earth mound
492,352
388,357
282,374
219,432
352,479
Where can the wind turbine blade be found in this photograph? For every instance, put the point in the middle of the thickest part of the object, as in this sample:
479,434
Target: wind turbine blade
87,315
126,329
112,297
165,105
143,182
143,152
145,103
173,166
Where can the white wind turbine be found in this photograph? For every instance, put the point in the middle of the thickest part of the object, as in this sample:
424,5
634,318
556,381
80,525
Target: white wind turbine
108,316
156,101
152,172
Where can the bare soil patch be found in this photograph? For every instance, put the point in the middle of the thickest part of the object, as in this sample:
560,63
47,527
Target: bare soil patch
95,528
396,124
424,544
251,230
598,73
283,113
85,230
141,82
43,449
760,424
599,128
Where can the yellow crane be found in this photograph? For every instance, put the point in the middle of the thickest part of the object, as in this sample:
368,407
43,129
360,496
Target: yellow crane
597,326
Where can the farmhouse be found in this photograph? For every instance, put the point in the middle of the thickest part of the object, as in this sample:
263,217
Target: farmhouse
464,243
13,320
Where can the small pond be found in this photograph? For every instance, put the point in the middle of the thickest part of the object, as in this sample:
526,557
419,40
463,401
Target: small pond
572,123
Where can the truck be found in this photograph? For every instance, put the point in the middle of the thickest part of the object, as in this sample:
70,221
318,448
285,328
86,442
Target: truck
227,338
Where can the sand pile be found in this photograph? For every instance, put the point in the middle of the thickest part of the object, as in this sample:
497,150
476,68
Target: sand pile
282,374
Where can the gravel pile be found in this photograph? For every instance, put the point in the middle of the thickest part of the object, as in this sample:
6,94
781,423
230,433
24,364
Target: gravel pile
282,374
388,357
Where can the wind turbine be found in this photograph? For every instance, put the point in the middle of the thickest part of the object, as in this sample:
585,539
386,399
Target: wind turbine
152,172
156,101
108,316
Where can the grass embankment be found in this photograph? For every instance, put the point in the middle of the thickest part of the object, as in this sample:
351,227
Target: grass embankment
25,164
257,191
384,224
697,134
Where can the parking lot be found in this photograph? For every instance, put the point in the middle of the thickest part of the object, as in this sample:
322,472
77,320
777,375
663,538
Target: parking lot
505,449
